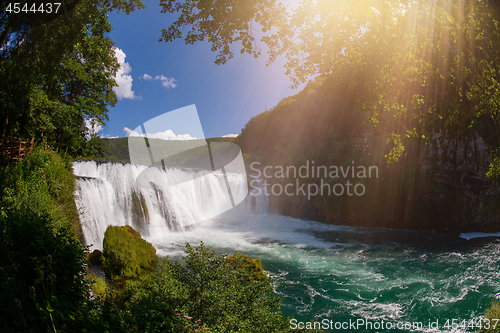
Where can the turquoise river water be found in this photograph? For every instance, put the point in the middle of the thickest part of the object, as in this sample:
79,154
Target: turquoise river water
361,279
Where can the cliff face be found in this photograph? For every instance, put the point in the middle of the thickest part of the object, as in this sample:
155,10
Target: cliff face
441,184
438,185
459,169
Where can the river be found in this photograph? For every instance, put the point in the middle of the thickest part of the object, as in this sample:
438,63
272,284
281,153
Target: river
347,278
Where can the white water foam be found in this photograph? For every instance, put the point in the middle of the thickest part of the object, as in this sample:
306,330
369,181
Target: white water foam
108,194
320,270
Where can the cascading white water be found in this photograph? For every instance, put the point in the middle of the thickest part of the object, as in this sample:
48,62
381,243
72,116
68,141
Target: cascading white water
323,271
108,194
257,202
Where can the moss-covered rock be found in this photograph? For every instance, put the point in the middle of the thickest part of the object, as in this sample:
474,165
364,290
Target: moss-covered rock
126,254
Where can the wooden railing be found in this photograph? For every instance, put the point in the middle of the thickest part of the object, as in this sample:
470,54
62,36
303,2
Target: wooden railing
12,149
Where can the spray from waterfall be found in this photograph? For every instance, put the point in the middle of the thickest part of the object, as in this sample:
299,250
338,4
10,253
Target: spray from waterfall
109,194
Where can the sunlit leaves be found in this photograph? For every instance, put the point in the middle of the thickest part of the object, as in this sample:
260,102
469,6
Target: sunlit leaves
396,150
417,68
221,22
494,170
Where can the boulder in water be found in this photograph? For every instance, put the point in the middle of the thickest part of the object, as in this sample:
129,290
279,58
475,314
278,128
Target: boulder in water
126,254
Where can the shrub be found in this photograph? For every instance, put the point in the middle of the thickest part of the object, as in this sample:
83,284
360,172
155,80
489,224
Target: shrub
41,271
227,297
204,294
43,183
144,305
126,254
250,269
42,263
492,314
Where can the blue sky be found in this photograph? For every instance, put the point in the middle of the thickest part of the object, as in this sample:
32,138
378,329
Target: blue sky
179,75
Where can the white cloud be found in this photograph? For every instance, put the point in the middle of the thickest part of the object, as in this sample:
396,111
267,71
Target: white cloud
166,135
230,135
107,136
123,77
129,132
92,126
167,82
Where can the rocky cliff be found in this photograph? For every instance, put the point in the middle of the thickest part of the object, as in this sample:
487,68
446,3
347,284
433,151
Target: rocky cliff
438,185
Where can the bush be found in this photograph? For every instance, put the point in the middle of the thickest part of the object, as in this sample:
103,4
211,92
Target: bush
41,271
145,305
251,269
492,314
204,291
126,254
227,297
43,183
98,286
42,263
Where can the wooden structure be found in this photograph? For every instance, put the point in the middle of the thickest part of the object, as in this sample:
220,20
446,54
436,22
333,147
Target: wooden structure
12,149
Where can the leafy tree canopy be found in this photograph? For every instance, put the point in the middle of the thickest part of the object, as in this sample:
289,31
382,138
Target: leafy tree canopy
221,22
419,69
57,69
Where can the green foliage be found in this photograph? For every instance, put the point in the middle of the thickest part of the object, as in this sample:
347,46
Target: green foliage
180,153
222,24
205,291
146,305
41,271
415,69
117,150
224,296
42,182
492,315
57,72
494,170
42,264
250,269
126,254
94,149
98,285
396,151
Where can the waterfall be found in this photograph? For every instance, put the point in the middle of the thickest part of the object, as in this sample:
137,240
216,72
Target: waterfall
112,194
257,202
